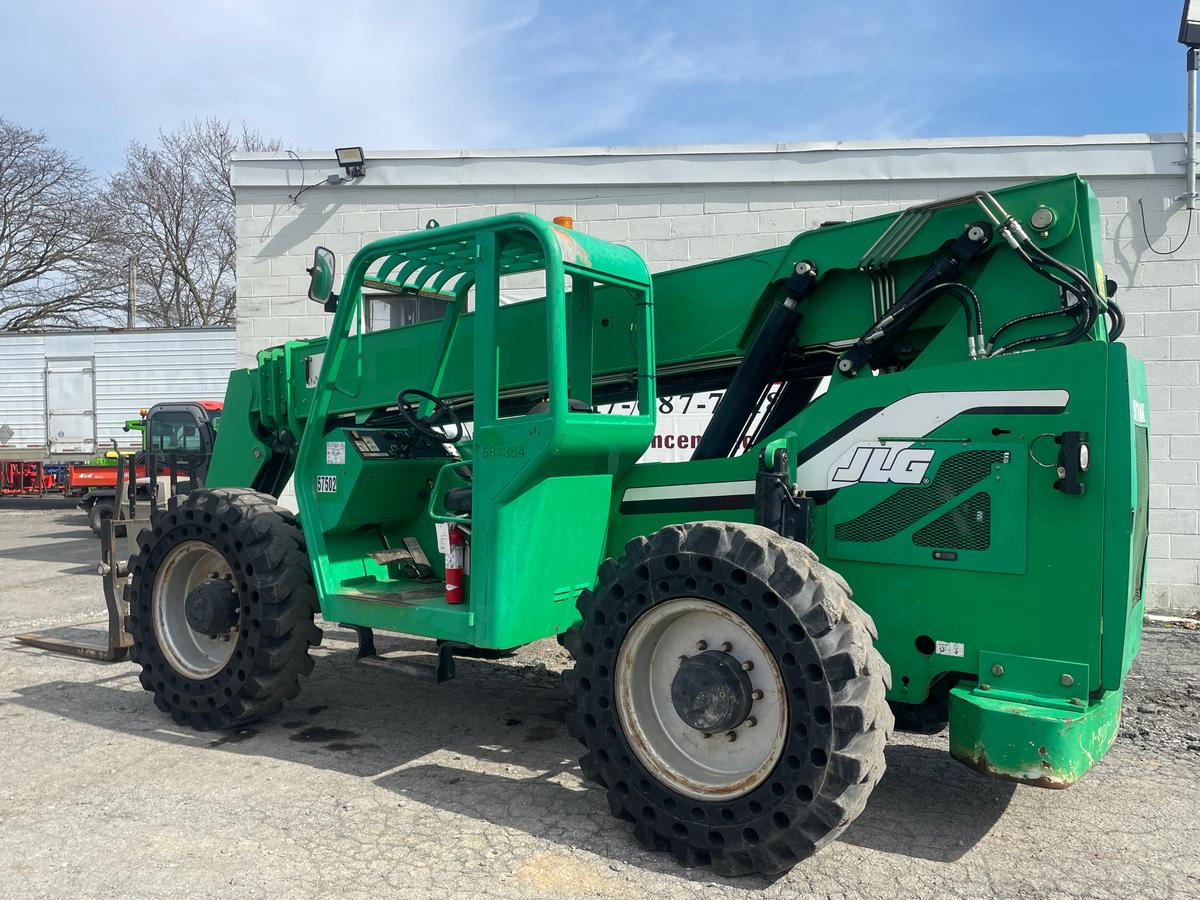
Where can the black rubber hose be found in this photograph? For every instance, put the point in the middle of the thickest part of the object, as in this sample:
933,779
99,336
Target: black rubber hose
1096,303
1118,317
1030,317
1067,268
1081,289
1070,335
1036,339
959,286
962,300
1042,314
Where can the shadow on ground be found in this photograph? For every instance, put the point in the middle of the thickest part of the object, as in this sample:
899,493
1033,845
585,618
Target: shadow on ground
37,503
84,551
928,806
429,743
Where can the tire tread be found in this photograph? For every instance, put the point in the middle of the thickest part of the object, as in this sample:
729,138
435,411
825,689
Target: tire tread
843,634
268,545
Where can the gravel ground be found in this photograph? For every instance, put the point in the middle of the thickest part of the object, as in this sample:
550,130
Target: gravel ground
372,784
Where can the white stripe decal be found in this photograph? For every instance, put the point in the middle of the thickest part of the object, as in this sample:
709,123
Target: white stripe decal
914,416
689,491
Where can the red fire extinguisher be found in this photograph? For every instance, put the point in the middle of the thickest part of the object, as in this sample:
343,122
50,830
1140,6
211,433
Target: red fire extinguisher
454,566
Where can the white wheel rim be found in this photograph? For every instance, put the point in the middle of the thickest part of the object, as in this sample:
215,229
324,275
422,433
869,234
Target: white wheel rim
679,756
189,652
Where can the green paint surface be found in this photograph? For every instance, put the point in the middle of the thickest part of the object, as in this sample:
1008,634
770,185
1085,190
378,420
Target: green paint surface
982,559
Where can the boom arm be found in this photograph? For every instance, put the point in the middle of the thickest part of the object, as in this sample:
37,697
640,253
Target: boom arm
709,317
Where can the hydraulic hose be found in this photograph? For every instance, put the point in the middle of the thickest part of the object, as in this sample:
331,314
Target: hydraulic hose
978,307
1069,336
1118,324
967,299
972,312
1081,288
1095,304
1042,314
1083,323
1028,317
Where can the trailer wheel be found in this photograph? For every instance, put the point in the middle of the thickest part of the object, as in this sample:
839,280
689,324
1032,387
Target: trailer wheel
221,605
98,513
729,696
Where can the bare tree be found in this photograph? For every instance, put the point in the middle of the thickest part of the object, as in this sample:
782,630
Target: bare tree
175,206
56,255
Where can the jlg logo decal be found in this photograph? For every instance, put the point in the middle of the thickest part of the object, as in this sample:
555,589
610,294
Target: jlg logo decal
879,463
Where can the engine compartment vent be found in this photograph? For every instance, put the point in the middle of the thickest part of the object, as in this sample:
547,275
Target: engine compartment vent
908,505
967,526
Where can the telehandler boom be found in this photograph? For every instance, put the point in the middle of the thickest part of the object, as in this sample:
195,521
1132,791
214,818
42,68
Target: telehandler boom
937,418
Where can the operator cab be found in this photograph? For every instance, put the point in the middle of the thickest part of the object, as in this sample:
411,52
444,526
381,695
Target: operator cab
441,431
403,480
422,427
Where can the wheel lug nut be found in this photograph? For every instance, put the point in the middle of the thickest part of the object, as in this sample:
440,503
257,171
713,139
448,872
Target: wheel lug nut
748,665
731,735
751,721
727,646
756,694
702,645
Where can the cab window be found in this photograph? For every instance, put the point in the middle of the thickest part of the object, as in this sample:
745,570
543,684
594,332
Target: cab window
175,432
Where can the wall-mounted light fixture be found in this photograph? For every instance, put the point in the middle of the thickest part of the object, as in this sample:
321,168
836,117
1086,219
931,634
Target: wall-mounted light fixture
1189,25
352,160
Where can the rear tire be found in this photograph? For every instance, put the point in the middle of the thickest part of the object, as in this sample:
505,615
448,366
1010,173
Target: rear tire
818,681
239,542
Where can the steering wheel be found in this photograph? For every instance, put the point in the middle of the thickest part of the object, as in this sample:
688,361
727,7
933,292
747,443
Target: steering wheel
409,401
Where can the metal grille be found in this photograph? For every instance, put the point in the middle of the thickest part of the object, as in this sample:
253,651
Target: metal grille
966,527
911,504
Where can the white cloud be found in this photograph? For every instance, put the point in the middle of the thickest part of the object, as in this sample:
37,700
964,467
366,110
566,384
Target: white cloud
473,73
314,74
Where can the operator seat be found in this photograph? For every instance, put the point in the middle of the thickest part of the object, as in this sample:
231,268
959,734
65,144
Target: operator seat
457,500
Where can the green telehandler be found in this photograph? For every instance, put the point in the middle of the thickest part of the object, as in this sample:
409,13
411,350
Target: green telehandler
926,408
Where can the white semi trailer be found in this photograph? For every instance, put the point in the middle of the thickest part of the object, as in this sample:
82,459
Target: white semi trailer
65,395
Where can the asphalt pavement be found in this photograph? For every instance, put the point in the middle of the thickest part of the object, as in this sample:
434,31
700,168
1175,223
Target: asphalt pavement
373,784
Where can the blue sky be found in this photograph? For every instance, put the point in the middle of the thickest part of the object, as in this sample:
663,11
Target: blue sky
457,73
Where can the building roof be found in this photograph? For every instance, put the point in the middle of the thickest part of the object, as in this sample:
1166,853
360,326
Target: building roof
114,329
814,161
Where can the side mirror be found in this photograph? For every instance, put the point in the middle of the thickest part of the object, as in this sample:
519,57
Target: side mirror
320,275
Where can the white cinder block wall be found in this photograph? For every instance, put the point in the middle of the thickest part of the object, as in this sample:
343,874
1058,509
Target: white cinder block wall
682,205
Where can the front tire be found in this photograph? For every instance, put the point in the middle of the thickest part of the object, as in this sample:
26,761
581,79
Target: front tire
221,604
796,737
